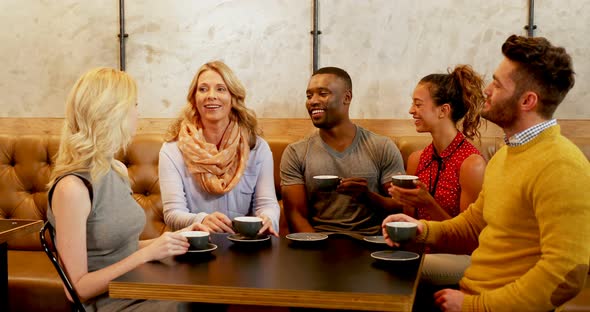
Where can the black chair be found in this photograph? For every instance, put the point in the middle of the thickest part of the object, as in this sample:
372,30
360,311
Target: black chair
53,257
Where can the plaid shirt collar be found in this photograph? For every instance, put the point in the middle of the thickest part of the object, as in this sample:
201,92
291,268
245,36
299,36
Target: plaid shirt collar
529,134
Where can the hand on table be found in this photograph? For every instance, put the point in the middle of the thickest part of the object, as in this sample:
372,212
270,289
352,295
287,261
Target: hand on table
400,217
218,223
449,300
267,226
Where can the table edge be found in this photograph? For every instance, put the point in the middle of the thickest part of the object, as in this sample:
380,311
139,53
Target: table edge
255,296
21,230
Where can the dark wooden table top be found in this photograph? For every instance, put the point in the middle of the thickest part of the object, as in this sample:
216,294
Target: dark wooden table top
336,273
13,227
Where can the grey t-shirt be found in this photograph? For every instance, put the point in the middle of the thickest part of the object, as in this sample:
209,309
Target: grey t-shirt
370,156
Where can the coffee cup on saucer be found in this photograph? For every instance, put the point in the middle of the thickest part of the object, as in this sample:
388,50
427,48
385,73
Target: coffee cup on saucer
247,226
197,239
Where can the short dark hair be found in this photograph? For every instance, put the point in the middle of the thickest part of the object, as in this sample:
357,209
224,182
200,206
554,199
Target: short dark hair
543,68
338,72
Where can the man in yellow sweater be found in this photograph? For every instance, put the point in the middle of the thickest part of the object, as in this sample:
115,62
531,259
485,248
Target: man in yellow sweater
532,217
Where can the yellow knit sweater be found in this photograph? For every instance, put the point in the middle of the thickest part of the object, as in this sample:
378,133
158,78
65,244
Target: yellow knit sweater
532,219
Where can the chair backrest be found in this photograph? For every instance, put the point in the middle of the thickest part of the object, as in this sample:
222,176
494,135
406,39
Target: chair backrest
53,258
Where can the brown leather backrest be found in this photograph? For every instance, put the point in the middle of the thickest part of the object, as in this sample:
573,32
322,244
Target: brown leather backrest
25,166
277,147
408,145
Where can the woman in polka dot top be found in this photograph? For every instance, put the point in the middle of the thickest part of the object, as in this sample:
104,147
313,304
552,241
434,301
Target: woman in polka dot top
450,169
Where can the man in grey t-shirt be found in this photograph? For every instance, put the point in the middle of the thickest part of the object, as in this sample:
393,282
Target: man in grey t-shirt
365,162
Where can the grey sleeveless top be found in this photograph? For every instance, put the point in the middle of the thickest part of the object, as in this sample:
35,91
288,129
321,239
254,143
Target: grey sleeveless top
114,223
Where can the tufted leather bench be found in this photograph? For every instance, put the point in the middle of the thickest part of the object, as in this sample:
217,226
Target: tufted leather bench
25,165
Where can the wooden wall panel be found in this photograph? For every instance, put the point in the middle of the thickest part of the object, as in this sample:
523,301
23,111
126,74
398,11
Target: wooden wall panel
288,129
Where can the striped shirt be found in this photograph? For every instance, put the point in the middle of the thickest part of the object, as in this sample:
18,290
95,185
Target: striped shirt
529,134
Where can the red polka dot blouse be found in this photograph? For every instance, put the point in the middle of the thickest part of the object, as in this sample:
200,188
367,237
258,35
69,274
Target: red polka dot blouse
440,173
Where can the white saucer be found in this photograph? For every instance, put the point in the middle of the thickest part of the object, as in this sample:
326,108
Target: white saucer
395,255
375,239
210,247
307,237
239,238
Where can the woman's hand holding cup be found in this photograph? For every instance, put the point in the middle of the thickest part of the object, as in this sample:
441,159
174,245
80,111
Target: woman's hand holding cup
168,244
267,226
195,227
218,223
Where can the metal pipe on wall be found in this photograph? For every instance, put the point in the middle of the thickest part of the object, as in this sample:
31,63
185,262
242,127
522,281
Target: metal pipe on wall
122,35
531,25
315,35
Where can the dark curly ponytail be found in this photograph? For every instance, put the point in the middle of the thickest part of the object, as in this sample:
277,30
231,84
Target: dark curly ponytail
462,89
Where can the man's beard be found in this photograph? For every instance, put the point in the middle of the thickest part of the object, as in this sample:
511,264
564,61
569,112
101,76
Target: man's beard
503,113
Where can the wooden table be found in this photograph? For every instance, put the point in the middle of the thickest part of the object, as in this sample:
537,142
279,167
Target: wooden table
337,273
10,228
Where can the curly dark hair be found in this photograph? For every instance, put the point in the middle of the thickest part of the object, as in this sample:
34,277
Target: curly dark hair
461,88
543,68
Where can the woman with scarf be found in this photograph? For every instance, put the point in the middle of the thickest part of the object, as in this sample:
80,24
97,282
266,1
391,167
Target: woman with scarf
214,166
450,169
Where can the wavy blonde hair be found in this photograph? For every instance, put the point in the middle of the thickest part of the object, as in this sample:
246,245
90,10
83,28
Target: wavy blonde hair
96,124
244,116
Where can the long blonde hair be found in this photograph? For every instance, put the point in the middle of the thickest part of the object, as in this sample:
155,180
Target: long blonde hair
96,124
244,116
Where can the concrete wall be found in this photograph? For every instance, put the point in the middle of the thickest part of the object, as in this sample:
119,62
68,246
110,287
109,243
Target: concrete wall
386,45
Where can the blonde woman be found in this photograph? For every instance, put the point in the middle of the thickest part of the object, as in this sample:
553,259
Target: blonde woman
214,165
96,220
